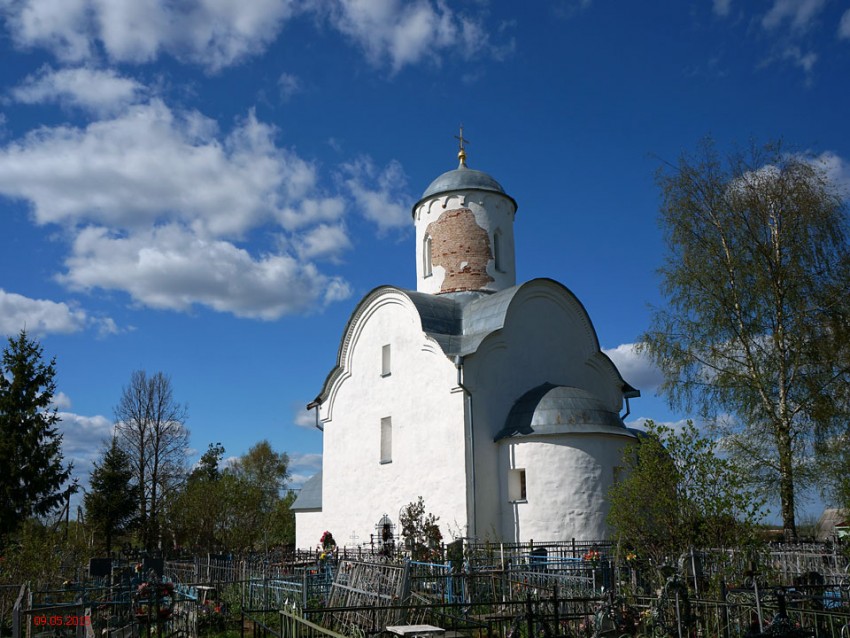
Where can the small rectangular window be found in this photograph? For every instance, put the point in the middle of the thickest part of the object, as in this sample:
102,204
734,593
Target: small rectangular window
385,361
386,440
516,485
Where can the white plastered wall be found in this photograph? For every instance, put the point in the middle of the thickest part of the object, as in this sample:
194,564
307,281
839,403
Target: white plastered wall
547,337
308,529
567,479
426,408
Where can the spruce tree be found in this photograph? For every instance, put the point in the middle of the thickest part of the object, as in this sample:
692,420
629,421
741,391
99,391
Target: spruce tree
33,476
112,500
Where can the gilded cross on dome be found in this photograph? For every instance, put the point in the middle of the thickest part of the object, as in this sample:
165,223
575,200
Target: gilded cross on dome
461,154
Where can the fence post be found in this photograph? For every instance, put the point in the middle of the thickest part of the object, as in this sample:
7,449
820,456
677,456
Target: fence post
529,614
725,609
555,605
16,613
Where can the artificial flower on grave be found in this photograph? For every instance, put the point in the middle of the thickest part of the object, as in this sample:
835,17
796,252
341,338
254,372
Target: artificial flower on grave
592,557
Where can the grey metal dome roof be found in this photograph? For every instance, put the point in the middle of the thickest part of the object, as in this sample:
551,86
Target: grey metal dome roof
559,409
463,178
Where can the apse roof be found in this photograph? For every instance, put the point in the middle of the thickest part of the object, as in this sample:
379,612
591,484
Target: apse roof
559,409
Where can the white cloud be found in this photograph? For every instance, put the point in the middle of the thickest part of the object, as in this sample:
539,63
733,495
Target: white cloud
211,33
289,85
38,316
637,369
804,60
303,417
567,9
677,426
380,195
837,171
722,7
62,401
302,467
403,33
229,463
171,267
83,439
98,91
151,163
844,26
311,211
108,327
82,435
322,242
155,202
799,13
62,26
219,33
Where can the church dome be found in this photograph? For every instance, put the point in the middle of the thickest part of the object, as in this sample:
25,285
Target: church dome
460,179
558,409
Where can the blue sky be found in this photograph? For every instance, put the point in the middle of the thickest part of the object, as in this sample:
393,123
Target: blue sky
207,187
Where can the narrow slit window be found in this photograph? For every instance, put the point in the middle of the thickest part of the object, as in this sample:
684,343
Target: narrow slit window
386,368
516,486
386,439
497,250
426,256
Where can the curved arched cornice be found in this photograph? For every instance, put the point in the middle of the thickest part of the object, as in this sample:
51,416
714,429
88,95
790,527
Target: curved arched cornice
460,324
558,293
343,352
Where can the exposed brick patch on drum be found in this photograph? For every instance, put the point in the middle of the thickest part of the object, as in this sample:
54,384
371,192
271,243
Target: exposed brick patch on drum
462,248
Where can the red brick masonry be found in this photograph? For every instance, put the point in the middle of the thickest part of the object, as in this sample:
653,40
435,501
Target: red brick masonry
462,248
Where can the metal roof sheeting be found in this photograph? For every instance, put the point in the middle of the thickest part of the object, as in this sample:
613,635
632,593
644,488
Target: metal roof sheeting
310,496
559,409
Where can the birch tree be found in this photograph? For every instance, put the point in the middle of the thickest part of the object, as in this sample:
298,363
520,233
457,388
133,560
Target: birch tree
150,428
755,327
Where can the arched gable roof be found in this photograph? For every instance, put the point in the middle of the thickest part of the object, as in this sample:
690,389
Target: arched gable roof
459,322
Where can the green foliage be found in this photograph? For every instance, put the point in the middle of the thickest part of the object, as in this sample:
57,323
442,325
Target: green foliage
678,493
239,508
264,473
45,555
282,521
113,498
208,466
420,531
266,469
835,455
758,313
32,476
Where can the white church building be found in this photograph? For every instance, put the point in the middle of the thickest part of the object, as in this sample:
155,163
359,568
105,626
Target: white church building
491,400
